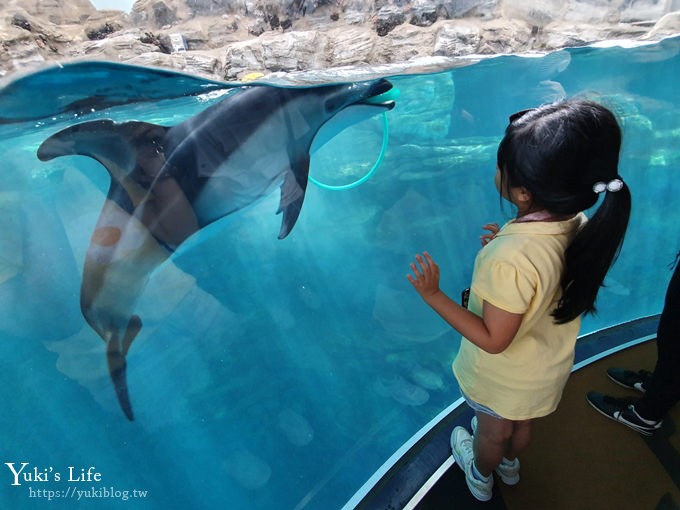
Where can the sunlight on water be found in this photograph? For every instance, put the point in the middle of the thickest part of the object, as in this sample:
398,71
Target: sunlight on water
274,373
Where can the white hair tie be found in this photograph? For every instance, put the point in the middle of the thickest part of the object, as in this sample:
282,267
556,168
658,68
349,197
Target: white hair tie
614,185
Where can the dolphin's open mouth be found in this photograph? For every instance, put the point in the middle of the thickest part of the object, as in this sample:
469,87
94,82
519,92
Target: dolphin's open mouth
382,94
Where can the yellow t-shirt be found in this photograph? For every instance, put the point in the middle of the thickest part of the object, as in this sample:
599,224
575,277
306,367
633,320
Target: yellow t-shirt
519,271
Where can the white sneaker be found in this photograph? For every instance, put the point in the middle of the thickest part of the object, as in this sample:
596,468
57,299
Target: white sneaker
461,447
508,472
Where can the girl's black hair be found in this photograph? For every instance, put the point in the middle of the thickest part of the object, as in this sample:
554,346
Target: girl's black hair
558,152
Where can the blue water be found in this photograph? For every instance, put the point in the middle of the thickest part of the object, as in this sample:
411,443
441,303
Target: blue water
281,374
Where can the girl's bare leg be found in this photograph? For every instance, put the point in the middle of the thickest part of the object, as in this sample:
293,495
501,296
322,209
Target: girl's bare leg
520,439
496,438
491,442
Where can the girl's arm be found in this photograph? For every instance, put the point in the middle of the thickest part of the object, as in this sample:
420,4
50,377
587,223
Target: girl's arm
493,332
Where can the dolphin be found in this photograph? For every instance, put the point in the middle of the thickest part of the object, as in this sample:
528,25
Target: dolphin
169,182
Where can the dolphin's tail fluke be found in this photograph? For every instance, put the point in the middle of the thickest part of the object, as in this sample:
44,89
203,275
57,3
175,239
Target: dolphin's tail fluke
116,351
122,148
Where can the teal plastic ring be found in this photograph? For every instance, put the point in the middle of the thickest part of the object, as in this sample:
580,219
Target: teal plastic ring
369,174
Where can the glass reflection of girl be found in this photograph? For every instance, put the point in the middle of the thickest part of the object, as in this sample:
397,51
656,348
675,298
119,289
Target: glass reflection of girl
533,279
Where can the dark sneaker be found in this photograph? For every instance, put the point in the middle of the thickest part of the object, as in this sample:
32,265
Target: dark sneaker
629,379
622,411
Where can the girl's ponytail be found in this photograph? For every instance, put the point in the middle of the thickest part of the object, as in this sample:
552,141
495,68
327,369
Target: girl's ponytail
591,254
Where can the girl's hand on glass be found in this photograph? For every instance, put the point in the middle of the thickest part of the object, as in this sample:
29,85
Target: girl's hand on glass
425,275
493,230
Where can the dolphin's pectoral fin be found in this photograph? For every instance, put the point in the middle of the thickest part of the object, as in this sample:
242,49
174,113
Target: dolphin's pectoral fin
116,351
293,194
290,216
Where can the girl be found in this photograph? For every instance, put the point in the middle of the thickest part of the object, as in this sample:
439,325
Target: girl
532,280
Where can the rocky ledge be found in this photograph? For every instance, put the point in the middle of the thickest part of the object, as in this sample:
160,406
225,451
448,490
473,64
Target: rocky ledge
241,39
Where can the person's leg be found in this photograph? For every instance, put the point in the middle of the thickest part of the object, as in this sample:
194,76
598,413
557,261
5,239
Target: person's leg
520,439
663,390
491,441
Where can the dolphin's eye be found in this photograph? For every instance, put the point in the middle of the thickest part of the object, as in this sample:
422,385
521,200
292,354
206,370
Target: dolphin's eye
152,146
157,147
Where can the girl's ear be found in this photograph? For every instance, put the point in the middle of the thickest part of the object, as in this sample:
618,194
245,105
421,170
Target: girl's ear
522,196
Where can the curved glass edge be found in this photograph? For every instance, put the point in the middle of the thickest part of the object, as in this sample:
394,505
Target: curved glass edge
404,477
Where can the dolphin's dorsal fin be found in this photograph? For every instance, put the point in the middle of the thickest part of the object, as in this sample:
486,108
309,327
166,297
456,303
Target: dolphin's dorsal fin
293,193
